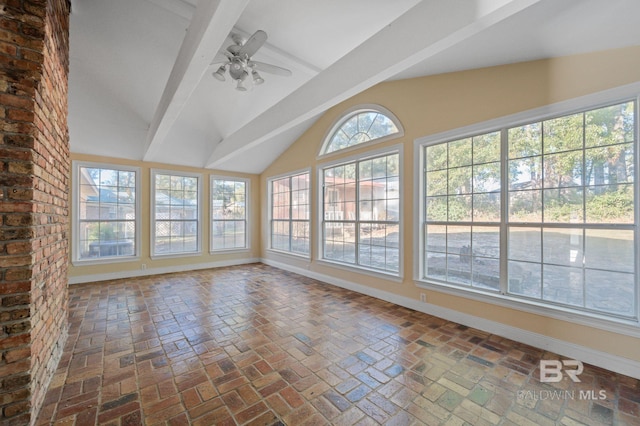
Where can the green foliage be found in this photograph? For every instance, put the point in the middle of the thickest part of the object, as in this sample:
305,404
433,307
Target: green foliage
459,210
611,206
563,133
102,232
525,141
609,125
436,157
486,148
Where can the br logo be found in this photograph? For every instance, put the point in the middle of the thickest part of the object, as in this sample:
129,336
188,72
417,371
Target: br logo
551,370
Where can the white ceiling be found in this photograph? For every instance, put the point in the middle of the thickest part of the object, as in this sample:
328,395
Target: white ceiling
140,84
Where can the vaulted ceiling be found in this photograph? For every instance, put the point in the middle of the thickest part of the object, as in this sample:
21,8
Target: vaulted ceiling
141,85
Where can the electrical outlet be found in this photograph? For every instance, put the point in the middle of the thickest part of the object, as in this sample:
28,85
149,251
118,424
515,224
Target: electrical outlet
423,297
143,266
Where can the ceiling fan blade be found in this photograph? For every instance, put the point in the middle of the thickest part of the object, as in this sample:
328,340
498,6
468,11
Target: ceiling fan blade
271,69
221,58
254,43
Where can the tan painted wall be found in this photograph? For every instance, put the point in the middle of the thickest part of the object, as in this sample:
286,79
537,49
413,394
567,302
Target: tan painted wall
145,198
430,105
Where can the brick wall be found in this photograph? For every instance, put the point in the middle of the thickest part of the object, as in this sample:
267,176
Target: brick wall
34,198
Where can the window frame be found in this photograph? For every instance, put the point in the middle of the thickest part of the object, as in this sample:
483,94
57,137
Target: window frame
319,245
346,116
270,219
611,322
153,174
247,210
75,246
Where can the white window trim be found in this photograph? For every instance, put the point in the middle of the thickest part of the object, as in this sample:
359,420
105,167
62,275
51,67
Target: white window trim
152,181
247,215
629,327
399,149
346,115
76,261
270,212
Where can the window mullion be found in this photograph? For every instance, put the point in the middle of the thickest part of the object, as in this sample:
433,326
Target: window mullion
504,211
357,206
290,213
583,182
636,204
323,218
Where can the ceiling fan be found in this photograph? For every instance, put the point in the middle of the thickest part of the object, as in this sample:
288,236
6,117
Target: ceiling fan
240,65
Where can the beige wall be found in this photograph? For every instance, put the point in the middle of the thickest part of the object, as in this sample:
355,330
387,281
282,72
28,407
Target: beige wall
84,273
430,105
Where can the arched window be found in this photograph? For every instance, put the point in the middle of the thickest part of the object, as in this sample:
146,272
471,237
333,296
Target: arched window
362,124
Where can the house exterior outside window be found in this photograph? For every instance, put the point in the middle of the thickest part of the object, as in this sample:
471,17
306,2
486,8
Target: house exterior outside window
360,205
229,212
107,227
289,205
176,213
361,213
542,211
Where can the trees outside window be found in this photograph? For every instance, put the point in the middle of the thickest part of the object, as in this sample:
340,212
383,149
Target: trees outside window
176,213
556,212
289,213
229,213
363,124
361,213
107,212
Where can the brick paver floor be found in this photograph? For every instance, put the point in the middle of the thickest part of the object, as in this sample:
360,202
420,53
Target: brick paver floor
255,345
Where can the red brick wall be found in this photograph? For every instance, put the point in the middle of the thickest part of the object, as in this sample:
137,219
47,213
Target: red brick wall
34,201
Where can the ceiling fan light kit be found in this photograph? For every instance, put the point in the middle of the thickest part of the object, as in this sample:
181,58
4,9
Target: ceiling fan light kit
219,74
240,64
257,79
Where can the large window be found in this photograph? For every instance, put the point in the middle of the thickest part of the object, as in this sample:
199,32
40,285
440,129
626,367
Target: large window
361,213
463,211
543,211
289,213
229,213
366,123
176,213
107,212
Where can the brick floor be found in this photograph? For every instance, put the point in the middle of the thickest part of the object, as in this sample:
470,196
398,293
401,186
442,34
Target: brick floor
255,345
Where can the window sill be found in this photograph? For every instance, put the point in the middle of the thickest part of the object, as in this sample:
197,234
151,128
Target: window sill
104,260
628,327
172,255
362,270
306,257
230,251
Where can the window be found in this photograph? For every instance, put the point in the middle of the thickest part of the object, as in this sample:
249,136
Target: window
463,213
229,213
176,213
107,216
290,213
361,213
552,220
365,124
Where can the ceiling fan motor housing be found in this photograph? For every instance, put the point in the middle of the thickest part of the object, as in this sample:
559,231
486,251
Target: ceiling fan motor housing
237,69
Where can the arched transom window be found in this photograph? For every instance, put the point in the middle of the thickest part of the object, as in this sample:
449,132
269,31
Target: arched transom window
365,124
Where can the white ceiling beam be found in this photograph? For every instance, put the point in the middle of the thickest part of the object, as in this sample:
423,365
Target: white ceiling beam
427,29
212,21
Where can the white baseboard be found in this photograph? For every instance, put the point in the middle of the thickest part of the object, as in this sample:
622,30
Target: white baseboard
156,271
585,354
